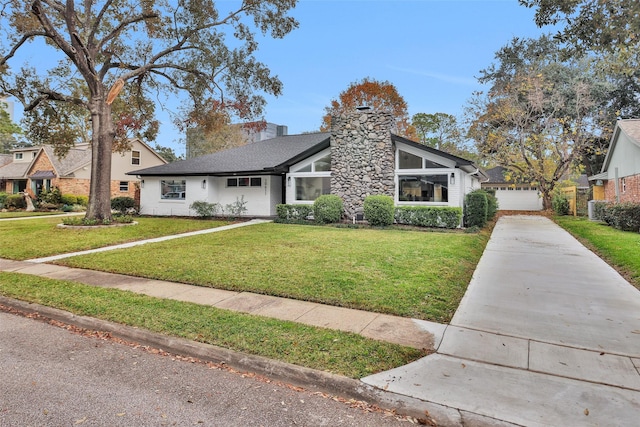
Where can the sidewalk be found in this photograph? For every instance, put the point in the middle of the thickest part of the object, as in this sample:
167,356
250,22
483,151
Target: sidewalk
547,334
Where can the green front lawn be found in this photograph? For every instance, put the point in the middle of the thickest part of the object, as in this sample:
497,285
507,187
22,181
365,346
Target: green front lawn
339,352
35,238
620,249
407,273
20,214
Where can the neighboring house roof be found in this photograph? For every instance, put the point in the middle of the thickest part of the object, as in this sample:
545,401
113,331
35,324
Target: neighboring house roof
14,170
65,166
496,175
5,159
273,156
266,156
631,127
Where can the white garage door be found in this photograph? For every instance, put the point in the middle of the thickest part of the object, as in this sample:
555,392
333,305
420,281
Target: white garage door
518,199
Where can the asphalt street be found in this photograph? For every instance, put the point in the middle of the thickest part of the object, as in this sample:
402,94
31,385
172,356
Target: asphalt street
51,376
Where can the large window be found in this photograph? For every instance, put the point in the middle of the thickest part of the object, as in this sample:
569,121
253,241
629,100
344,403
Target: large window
173,190
310,188
423,188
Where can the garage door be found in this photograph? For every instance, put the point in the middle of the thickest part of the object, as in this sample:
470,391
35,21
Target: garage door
518,199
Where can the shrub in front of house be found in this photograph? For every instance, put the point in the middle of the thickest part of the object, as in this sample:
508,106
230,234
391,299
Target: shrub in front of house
476,207
49,199
83,200
599,210
429,216
560,204
3,197
623,216
328,209
123,205
379,210
14,201
205,209
287,213
492,204
69,199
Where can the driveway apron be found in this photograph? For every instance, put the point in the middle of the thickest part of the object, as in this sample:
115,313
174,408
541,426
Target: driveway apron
546,334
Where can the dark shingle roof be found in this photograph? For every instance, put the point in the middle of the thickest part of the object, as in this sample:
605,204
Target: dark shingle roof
256,157
496,175
5,159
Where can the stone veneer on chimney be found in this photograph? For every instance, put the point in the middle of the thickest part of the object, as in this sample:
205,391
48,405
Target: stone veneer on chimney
362,158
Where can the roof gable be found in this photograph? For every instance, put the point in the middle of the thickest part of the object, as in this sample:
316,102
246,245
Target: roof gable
628,127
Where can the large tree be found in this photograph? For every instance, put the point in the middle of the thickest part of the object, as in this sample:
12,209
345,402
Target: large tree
378,95
540,115
154,47
8,130
437,130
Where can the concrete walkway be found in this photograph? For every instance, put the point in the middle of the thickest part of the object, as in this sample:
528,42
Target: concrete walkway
547,334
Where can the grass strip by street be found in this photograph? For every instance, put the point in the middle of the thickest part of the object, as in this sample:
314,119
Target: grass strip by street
405,273
36,238
338,352
619,249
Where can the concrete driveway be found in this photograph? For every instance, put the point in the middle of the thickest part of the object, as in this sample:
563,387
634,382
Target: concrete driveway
547,334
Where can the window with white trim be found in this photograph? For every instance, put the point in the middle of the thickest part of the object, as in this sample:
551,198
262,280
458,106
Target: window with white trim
124,186
135,157
173,189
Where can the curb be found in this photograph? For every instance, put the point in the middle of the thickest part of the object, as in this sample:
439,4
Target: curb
310,379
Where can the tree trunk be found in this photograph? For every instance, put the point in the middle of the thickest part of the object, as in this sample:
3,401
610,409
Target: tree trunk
102,137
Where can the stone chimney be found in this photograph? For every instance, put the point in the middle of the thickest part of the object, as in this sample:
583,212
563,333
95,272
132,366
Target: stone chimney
362,157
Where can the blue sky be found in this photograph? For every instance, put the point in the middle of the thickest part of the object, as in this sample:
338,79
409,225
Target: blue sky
431,50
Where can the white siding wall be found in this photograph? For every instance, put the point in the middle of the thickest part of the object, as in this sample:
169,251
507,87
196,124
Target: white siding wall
625,157
261,201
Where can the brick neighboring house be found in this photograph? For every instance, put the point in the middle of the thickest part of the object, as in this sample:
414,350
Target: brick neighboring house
619,179
34,169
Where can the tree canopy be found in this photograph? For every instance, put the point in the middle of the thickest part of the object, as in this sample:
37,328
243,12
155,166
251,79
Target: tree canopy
99,51
380,96
540,116
8,130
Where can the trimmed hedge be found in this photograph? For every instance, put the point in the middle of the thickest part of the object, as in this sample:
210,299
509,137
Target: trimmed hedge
83,200
492,204
379,210
293,212
328,209
123,204
14,201
69,199
3,197
429,216
599,209
623,216
476,207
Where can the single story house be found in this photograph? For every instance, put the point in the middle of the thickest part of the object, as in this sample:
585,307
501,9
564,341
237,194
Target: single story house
619,178
34,169
512,196
359,157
